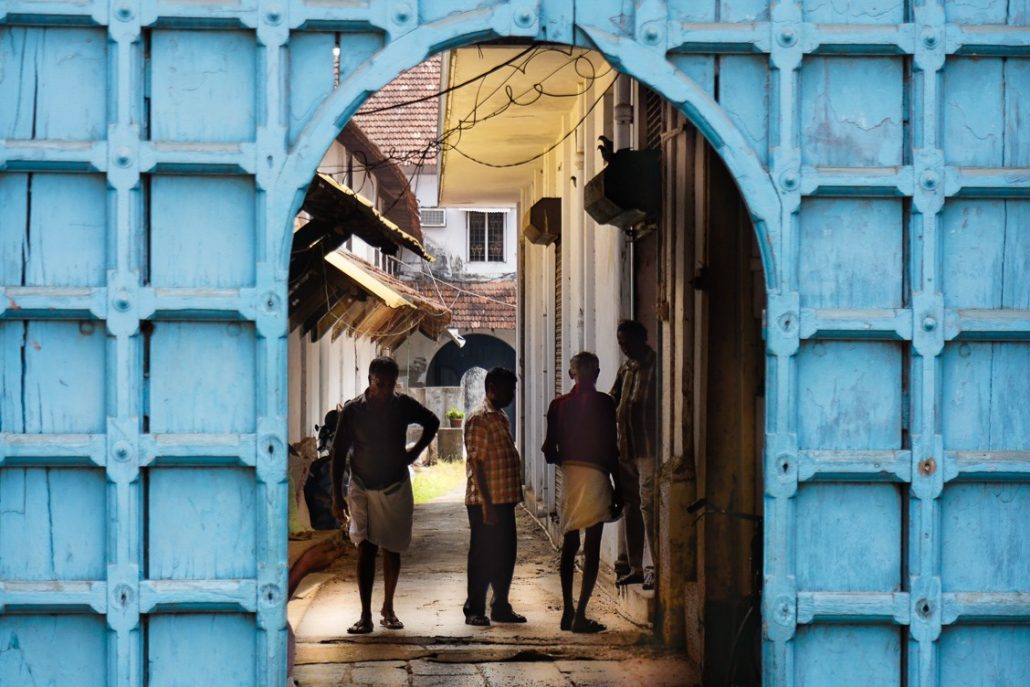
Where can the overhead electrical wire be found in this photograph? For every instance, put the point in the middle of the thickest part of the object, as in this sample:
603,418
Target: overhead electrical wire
473,118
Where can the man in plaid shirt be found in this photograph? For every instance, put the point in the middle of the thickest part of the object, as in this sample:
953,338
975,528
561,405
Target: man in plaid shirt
494,488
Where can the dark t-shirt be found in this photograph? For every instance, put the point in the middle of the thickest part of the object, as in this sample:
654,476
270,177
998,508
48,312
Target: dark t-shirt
377,434
581,427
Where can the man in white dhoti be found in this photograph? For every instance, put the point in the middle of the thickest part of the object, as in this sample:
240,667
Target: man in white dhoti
582,439
379,501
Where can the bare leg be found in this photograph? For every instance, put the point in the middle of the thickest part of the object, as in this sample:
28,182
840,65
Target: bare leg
569,548
391,573
592,549
366,578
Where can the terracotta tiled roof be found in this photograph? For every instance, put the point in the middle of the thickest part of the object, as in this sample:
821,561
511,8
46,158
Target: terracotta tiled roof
475,304
404,134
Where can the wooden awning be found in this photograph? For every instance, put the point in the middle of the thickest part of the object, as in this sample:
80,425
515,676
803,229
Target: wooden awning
337,213
347,295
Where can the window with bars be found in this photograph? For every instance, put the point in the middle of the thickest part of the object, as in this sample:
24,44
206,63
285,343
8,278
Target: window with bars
486,236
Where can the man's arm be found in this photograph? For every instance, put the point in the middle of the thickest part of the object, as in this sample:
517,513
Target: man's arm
341,447
550,447
430,423
616,392
476,441
610,430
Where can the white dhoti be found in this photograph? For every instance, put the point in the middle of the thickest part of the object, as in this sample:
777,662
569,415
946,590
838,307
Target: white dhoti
382,516
586,496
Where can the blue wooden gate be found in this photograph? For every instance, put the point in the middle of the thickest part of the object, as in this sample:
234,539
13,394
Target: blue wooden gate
153,154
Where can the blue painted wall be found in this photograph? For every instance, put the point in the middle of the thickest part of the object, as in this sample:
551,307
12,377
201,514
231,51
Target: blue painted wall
153,155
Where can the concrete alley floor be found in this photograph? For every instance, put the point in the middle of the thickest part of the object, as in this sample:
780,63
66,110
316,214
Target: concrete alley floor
437,648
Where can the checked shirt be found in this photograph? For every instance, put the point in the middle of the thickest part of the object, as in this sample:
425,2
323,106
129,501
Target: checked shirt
488,441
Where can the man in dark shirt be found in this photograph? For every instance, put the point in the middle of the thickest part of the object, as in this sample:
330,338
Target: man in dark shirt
582,441
379,501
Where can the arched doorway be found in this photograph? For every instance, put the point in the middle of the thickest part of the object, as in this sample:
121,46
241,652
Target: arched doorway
451,362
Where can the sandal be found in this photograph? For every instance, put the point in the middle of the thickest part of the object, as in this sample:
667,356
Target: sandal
391,622
566,620
362,627
587,626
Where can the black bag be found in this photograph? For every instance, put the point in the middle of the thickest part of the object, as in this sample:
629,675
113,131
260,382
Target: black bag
318,493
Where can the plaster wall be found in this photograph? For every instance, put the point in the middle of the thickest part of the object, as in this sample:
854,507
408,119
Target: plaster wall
592,295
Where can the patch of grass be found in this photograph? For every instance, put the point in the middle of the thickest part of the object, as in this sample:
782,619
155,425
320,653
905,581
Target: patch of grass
442,478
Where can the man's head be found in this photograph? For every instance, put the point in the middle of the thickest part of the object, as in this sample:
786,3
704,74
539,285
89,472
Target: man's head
584,367
632,338
382,378
500,387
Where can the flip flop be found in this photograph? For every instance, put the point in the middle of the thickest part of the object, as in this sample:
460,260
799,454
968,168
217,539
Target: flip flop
587,626
362,627
391,622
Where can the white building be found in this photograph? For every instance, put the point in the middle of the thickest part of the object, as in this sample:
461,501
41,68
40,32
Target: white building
475,247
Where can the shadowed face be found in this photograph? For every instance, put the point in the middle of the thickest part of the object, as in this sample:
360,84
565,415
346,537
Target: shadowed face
381,387
501,394
633,346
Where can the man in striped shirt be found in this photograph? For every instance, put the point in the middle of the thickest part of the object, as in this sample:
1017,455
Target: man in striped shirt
494,488
635,394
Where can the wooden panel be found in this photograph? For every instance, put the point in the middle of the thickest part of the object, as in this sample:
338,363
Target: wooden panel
744,94
850,253
30,643
849,537
695,10
972,113
212,365
699,68
983,398
985,101
854,11
199,524
988,12
67,243
207,242
837,385
311,56
14,201
201,649
851,111
63,219
202,86
53,377
356,49
847,656
987,530
985,656
45,69
742,10
52,524
986,254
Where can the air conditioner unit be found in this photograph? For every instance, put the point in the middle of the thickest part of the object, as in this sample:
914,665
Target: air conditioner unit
542,224
627,191
432,217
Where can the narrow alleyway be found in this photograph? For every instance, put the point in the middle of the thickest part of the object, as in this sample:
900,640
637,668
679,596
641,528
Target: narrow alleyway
436,648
